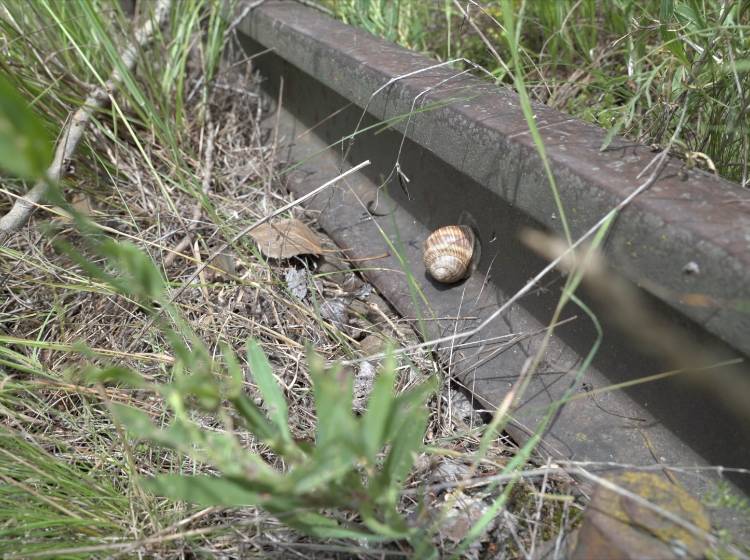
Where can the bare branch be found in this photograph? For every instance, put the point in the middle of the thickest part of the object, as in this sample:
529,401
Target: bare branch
73,130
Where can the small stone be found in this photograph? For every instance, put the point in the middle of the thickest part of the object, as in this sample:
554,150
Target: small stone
450,470
371,344
463,410
336,311
460,518
327,266
296,282
691,268
364,291
363,383
224,266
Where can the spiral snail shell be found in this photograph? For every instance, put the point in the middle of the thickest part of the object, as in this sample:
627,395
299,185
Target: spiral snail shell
448,253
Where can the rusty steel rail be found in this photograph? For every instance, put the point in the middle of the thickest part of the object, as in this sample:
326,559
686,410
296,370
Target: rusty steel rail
447,146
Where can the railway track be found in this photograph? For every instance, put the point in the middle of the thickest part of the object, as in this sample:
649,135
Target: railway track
447,147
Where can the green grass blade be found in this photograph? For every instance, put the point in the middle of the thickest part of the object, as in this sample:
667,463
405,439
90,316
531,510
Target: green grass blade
204,490
379,408
333,394
260,369
25,144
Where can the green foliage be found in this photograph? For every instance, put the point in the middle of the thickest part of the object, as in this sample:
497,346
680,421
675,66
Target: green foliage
405,22
356,463
621,64
25,144
47,503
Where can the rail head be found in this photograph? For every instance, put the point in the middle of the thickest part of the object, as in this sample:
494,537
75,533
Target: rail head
686,239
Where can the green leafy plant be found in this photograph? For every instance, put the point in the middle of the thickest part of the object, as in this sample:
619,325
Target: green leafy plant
356,463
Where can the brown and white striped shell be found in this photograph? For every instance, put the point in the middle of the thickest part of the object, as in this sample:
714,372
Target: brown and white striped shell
448,253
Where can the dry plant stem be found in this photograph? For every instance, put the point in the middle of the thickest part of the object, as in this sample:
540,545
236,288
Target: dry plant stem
626,308
482,36
236,21
564,470
538,512
72,132
115,546
171,529
113,231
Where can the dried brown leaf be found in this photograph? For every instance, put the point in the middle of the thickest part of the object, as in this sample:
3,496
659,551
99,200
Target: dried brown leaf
286,239
82,204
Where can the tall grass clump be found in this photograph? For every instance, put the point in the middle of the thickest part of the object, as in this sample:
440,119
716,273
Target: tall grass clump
623,65
67,490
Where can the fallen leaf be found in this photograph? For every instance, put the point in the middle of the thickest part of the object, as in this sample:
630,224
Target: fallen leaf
82,204
286,239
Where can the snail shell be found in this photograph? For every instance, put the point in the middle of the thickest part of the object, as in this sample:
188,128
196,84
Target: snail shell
448,253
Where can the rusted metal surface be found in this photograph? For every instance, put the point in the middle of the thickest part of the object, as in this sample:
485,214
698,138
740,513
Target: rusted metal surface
472,157
617,527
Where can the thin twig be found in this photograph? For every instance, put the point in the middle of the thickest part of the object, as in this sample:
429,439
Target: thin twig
72,132
538,512
564,469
